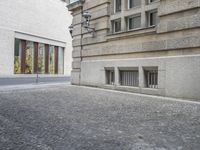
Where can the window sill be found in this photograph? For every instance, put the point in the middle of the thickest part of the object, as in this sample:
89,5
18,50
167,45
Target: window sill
132,33
134,7
150,3
75,5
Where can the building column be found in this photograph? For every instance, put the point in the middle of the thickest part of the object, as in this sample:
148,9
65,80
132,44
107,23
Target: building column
23,56
46,58
123,21
56,59
117,81
141,77
143,14
35,57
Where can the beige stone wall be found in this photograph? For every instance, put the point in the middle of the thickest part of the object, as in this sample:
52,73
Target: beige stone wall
177,34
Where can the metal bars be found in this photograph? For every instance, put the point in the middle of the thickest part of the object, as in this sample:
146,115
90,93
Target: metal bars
152,78
129,78
110,77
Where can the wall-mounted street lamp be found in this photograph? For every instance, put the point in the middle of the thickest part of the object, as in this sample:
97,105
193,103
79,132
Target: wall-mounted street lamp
71,28
86,24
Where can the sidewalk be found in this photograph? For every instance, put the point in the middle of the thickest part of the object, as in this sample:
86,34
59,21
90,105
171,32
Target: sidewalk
7,88
30,79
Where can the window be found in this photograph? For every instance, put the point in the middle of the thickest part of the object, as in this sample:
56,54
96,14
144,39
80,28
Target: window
134,22
151,1
51,59
73,1
118,5
17,59
129,77
60,60
152,18
41,58
117,25
151,78
29,57
134,3
110,77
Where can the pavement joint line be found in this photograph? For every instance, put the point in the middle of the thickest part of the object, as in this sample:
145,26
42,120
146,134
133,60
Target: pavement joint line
191,101
29,86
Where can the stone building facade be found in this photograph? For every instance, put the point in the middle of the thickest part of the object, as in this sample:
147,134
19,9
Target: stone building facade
34,37
143,46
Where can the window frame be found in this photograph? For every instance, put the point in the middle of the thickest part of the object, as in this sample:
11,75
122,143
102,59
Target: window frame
108,76
115,6
149,2
149,18
114,25
132,17
133,6
153,71
129,69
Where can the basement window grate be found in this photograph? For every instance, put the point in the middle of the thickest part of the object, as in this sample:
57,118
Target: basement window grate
129,78
151,78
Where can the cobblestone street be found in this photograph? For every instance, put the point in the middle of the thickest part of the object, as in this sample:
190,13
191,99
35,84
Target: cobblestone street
65,117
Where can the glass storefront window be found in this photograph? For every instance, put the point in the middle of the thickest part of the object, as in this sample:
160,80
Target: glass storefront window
51,59
61,60
17,58
29,57
41,58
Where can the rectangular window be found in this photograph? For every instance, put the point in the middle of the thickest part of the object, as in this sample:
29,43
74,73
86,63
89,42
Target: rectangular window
151,78
51,59
134,3
134,22
117,25
129,77
32,57
60,60
151,1
41,58
110,77
17,58
73,1
118,5
152,18
29,57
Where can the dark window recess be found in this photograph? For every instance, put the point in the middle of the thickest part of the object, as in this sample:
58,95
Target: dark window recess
134,3
151,1
151,77
134,22
153,18
118,6
117,25
110,77
129,78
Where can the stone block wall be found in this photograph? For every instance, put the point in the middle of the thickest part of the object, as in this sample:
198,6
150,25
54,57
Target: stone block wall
176,38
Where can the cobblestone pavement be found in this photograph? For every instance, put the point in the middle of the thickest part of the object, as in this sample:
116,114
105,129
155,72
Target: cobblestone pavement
78,118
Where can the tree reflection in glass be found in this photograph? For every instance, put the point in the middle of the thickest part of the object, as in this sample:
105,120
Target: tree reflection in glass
41,58
51,60
29,57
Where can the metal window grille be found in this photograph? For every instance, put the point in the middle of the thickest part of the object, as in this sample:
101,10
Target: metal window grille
129,78
110,77
152,78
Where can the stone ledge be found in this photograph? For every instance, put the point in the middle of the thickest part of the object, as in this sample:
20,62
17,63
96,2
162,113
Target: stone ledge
131,33
75,5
